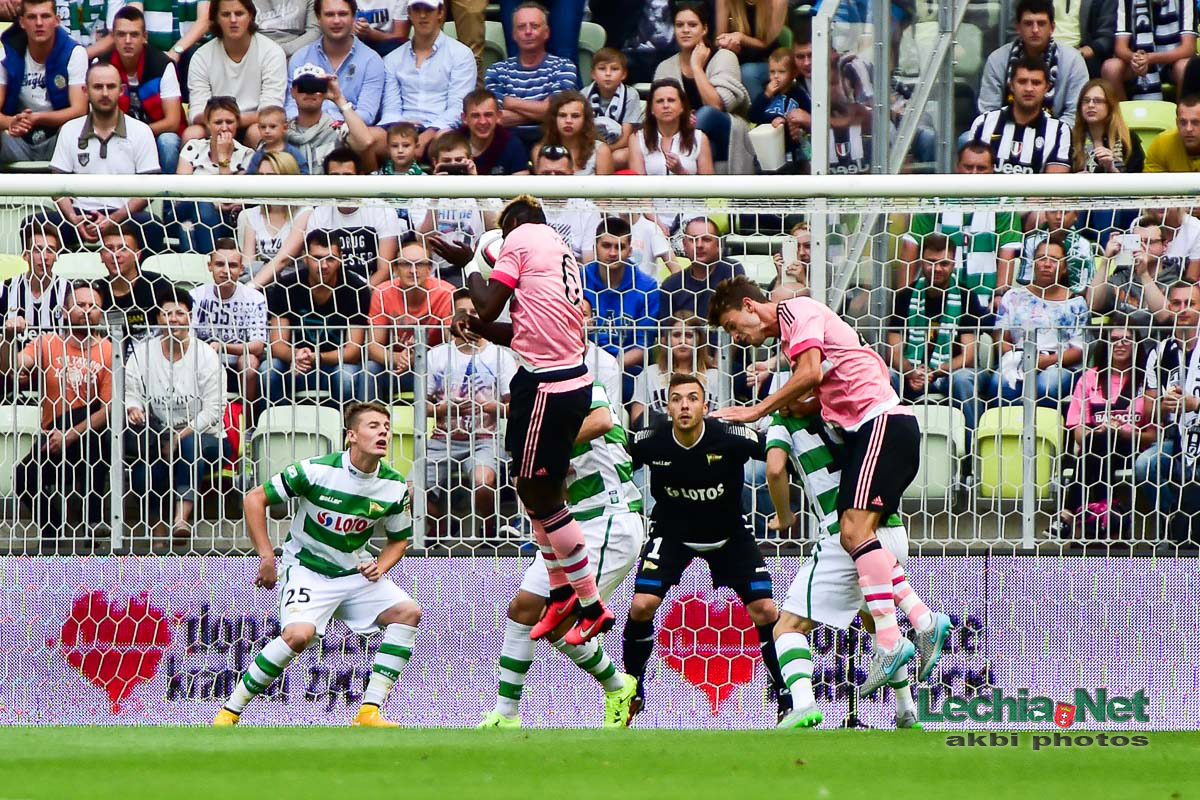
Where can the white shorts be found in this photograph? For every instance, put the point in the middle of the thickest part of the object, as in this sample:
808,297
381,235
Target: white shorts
614,542
306,596
826,589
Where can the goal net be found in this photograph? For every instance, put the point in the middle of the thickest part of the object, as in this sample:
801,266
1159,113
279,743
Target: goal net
166,350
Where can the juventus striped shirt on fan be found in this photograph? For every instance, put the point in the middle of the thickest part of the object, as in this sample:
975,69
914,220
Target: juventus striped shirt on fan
601,477
339,509
547,294
44,313
1023,149
857,386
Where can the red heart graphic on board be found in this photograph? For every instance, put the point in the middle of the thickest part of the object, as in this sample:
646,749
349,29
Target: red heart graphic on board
115,648
713,646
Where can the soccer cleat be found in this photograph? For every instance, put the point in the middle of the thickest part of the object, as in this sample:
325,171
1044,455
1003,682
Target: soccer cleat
803,717
617,705
908,720
494,719
884,665
556,612
226,719
585,629
368,716
930,644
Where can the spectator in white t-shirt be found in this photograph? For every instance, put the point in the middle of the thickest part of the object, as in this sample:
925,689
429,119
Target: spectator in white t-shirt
174,402
683,347
232,318
239,63
576,222
263,229
220,153
468,394
45,89
382,24
605,368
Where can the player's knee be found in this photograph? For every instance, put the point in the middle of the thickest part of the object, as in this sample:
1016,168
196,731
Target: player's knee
763,612
526,608
408,614
644,607
776,465
298,637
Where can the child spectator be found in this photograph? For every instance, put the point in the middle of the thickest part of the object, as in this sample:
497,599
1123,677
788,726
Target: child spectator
571,124
402,151
272,127
776,101
615,105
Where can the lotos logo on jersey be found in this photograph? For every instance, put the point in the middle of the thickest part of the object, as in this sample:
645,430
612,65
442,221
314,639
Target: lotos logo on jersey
342,523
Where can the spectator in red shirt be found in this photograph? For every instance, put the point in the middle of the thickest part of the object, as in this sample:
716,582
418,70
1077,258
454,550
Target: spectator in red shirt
412,298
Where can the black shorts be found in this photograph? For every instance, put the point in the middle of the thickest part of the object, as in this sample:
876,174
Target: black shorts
542,425
738,564
882,458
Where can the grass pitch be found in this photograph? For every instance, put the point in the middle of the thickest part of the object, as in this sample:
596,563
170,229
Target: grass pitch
346,764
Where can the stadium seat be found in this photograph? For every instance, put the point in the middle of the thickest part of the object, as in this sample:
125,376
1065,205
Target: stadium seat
11,266
943,446
19,428
286,434
189,269
1001,460
10,222
1148,118
27,166
591,39
759,268
754,244
85,266
917,41
400,454
494,47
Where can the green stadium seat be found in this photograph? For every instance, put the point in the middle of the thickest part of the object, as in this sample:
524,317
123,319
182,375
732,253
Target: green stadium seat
591,39
20,425
754,243
759,268
85,266
400,454
494,47
1001,459
943,446
188,269
1148,118
27,166
917,40
286,434
11,266
10,222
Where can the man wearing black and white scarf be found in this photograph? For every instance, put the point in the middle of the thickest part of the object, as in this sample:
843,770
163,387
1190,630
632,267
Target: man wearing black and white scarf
1155,39
1035,37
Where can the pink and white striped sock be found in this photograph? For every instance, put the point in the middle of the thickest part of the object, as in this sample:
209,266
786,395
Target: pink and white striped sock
566,537
558,578
874,565
906,599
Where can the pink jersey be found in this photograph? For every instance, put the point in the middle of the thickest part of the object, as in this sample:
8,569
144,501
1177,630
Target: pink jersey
547,295
856,387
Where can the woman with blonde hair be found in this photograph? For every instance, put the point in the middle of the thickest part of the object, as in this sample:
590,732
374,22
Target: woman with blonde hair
1101,140
573,126
683,347
750,28
263,229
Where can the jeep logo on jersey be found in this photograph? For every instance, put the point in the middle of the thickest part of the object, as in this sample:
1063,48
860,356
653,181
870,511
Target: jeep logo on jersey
342,523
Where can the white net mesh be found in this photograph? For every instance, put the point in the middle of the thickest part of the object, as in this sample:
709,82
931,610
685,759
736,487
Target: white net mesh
1045,345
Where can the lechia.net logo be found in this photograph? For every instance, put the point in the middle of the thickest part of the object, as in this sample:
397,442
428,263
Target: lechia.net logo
1088,706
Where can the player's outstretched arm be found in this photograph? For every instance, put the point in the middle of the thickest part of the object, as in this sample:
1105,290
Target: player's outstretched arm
254,506
596,424
806,375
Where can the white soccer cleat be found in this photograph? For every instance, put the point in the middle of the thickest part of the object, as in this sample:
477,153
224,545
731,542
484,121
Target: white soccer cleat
886,665
930,644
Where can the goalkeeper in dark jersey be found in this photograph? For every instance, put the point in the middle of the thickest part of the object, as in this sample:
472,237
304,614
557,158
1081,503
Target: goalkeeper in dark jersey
696,478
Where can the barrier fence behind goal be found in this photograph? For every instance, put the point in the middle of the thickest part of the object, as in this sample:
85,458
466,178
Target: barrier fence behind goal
1043,338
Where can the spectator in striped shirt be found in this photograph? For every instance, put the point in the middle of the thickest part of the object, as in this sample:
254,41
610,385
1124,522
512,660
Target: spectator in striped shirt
35,302
1024,139
1154,42
524,83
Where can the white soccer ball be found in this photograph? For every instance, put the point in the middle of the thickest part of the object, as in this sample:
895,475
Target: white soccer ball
487,251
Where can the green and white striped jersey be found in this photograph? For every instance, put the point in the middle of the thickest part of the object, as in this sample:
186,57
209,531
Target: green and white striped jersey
339,509
814,461
601,480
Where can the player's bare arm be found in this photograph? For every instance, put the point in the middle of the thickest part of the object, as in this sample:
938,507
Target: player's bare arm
806,376
595,424
388,557
255,509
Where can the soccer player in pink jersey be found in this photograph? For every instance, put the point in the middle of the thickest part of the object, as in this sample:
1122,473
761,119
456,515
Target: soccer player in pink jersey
882,451
551,395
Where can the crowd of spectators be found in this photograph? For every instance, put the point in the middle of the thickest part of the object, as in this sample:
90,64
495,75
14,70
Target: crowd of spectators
327,301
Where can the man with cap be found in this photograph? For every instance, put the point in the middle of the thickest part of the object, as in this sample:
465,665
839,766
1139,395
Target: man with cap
428,76
358,68
316,133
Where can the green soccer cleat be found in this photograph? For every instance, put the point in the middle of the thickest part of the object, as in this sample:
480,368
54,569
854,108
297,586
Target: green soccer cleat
616,704
908,721
930,644
885,666
803,717
494,719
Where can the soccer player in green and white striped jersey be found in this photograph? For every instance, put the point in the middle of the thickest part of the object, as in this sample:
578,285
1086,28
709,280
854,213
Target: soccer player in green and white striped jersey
608,505
327,570
826,590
